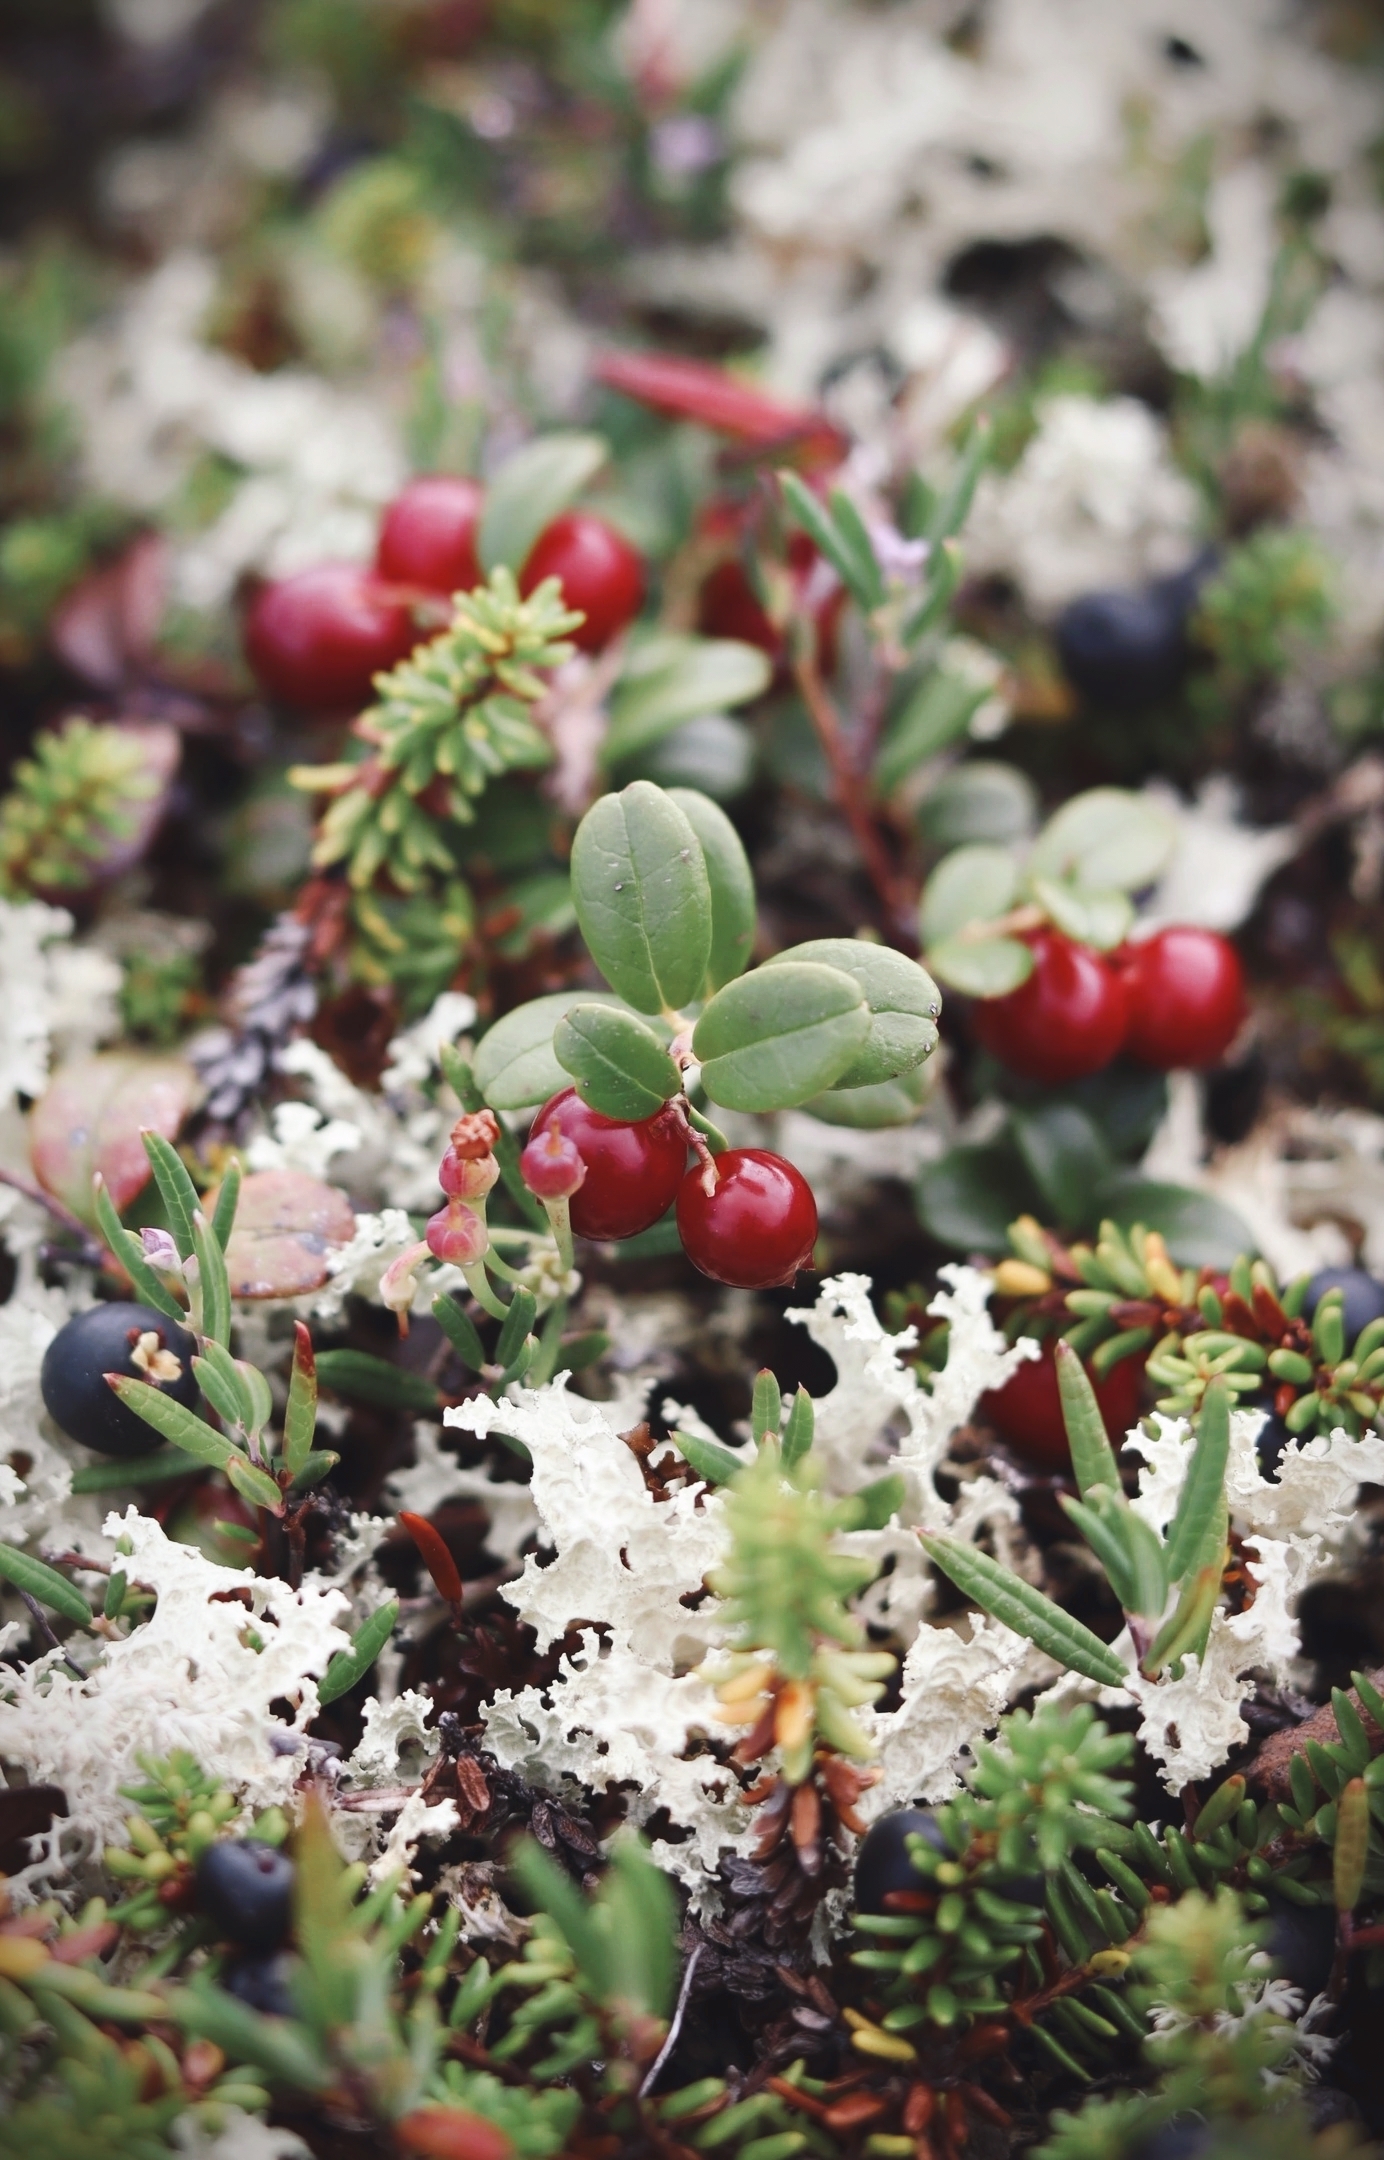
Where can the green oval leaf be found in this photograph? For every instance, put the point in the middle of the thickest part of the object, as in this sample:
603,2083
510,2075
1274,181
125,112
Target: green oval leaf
1067,1158
972,885
780,1035
45,1584
530,490
643,899
1006,1597
937,711
515,1066
731,881
1100,919
670,679
904,1002
712,753
1199,1231
618,1063
869,1109
1106,837
969,1198
983,800
981,967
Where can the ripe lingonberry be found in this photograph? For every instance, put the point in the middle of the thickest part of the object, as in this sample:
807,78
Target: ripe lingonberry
632,1171
756,1227
550,1165
1067,1020
245,1888
319,639
428,536
600,573
1027,1410
130,1339
1186,997
728,605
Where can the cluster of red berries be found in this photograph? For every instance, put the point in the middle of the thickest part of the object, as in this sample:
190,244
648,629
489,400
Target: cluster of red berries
317,640
1175,1000
745,1217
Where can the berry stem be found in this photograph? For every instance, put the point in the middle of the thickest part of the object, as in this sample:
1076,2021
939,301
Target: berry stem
849,790
712,1134
559,1213
478,1283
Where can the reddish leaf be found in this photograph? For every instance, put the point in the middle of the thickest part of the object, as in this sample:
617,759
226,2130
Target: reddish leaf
90,1116
691,390
285,1226
441,2133
436,1554
105,628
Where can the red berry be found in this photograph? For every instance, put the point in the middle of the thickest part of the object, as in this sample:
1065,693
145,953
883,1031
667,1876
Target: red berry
757,1226
632,1171
1067,1020
1186,998
1027,1410
428,536
319,639
601,574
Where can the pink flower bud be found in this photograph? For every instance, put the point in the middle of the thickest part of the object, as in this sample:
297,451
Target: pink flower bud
457,1233
475,1133
467,1178
550,1165
399,1282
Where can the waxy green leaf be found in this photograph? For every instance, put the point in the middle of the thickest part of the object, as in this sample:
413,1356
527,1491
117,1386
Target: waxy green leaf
643,898
532,488
1105,839
971,885
670,679
1093,1458
936,712
903,999
360,1377
515,1065
619,1064
714,1464
780,1035
731,881
985,967
45,1584
351,1665
1196,1530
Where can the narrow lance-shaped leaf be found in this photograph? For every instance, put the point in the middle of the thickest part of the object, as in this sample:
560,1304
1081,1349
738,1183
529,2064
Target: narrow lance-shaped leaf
1005,1597
221,1384
856,567
255,1485
1185,1631
868,580
519,1319
223,1215
214,1282
176,1189
1093,1458
316,1465
177,1423
257,1393
766,1408
156,1469
714,1464
351,1665
1103,1535
45,1584
1351,1851
300,1415
799,1430
127,1249
362,1377
460,1331
1203,1488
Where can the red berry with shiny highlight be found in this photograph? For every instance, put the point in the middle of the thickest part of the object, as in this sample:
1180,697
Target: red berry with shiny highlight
1066,1021
1186,998
318,640
632,1171
1027,1410
600,573
428,536
756,1227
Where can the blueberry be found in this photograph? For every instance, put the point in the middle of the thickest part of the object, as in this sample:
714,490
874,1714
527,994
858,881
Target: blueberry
1186,2137
1273,1438
1302,1943
882,1864
1362,1297
260,1980
113,1338
1129,648
246,1889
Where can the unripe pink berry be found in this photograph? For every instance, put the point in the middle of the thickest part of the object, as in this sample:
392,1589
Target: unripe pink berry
467,1178
457,1233
475,1133
550,1165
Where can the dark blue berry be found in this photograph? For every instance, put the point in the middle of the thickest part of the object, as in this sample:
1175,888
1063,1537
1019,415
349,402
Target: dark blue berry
261,1981
1302,1943
1186,2137
111,1339
1129,648
882,1863
1273,1438
246,1889
1362,1296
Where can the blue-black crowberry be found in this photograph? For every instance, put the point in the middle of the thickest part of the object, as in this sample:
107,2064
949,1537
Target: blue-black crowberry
260,1979
882,1863
131,1339
1127,649
1362,1297
246,1889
